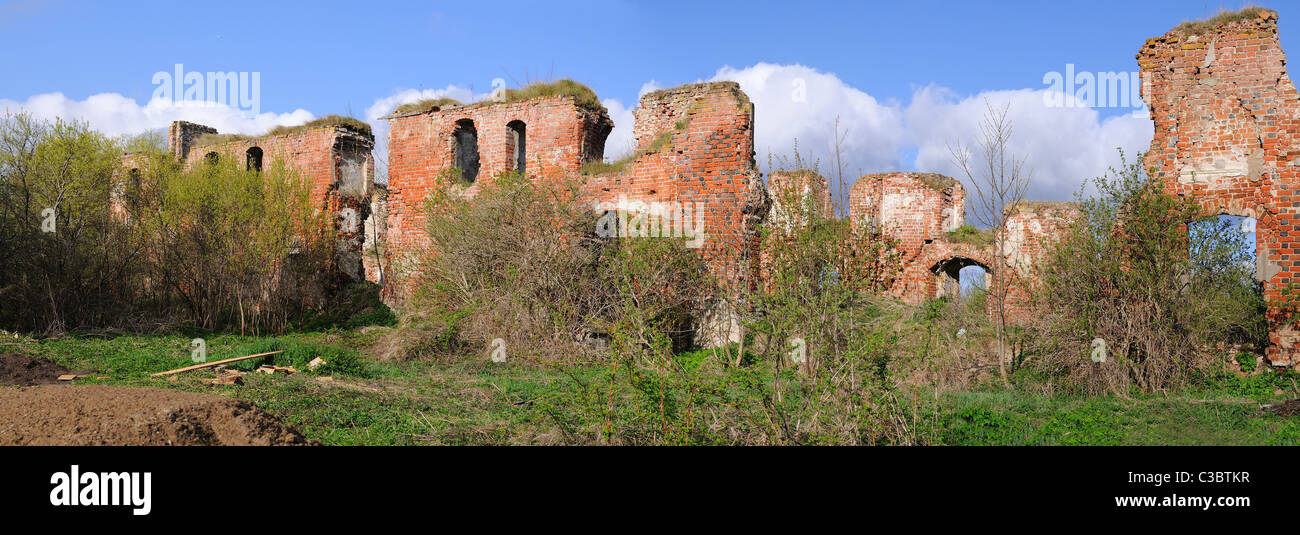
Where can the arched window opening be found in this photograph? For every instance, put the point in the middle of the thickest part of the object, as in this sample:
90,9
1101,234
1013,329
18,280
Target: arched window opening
211,158
133,188
518,146
466,149
253,159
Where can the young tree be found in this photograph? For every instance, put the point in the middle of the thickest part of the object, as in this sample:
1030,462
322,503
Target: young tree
1000,181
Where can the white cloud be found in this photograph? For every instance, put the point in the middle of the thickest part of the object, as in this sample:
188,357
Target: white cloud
652,85
620,142
114,114
1065,145
797,102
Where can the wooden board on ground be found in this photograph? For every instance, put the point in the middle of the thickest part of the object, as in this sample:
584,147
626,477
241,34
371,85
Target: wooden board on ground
213,363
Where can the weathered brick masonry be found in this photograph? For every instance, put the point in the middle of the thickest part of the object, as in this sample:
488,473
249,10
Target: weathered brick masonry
798,193
920,209
1227,121
560,136
1032,230
917,209
335,160
694,145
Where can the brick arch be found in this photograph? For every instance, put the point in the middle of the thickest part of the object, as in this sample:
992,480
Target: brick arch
938,262
948,273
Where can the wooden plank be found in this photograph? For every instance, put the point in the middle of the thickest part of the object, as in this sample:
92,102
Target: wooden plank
213,363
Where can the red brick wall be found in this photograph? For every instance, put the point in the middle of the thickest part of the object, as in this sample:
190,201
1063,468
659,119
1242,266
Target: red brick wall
1032,231
1227,120
796,193
560,137
708,161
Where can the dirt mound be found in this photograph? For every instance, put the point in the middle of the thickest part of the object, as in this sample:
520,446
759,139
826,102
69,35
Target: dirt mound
77,415
1290,407
23,370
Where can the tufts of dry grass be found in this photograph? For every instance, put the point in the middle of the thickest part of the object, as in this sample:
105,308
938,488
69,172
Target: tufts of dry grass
584,96
1225,17
428,104
328,120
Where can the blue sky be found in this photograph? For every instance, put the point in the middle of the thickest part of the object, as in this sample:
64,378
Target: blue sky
906,77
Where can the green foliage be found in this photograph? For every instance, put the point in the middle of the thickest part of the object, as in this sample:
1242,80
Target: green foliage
521,262
1122,272
984,426
357,305
231,246
1246,361
299,354
970,235
66,261
155,245
1094,424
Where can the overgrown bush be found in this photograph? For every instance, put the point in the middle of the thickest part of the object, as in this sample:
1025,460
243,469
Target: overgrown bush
86,243
232,247
814,315
65,261
1123,274
521,262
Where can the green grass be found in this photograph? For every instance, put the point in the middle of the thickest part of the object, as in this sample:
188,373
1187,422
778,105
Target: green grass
968,234
467,400
1009,418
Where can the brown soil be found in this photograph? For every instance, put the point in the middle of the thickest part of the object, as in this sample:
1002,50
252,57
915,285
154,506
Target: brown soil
20,369
1289,407
88,415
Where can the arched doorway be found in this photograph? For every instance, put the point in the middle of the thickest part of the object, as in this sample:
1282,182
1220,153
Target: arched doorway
960,277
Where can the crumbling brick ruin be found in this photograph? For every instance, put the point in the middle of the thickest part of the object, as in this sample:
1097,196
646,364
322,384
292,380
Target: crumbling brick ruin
1227,134
694,149
921,210
1032,230
540,137
918,210
1227,117
334,158
795,194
